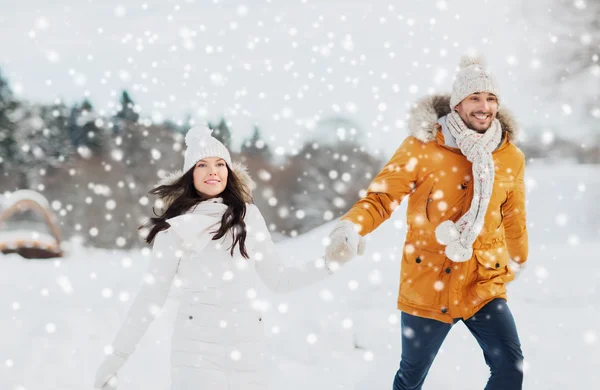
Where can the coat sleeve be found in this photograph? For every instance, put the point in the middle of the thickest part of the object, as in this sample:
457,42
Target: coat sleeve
269,265
155,287
393,183
515,222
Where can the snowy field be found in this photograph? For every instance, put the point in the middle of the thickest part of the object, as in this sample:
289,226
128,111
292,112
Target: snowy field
56,316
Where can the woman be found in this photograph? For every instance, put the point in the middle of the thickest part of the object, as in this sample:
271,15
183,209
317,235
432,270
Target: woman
212,238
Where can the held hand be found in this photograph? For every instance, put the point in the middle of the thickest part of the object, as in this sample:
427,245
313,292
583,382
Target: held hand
344,243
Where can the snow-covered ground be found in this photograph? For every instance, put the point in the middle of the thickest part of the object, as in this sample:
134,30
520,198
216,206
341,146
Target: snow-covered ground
56,316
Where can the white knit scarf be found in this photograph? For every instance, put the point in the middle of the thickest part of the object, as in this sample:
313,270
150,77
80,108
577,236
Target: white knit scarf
477,147
197,227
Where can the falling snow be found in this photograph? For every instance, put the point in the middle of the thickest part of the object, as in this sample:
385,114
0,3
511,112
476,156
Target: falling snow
309,77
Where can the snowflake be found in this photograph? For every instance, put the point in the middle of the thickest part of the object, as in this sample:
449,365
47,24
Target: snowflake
580,4
65,284
561,219
375,277
123,296
347,323
282,308
120,11
326,295
590,337
541,272
311,338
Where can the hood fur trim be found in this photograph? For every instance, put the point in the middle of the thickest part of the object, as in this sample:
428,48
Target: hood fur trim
239,169
426,112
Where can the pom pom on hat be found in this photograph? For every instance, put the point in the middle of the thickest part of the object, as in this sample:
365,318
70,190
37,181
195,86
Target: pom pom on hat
201,144
471,78
196,134
466,61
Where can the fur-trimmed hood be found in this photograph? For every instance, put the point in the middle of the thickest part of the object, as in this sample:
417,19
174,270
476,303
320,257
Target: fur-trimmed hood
240,170
426,112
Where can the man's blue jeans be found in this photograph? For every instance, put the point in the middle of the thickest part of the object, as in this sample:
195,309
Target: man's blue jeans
494,328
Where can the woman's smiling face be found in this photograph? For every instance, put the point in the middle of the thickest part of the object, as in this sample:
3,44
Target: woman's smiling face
210,176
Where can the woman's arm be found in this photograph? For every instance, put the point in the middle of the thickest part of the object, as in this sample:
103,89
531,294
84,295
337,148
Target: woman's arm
148,302
269,265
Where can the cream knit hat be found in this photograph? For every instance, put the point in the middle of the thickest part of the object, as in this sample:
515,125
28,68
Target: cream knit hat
201,144
472,77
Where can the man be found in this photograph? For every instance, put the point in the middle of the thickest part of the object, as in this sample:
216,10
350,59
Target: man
465,219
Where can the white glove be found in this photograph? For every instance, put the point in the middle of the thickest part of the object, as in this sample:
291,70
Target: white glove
344,242
106,376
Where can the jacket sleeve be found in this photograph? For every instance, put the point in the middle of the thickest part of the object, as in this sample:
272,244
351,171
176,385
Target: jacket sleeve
515,222
155,287
393,183
269,265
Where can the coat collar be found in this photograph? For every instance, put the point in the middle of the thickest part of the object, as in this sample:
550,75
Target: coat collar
426,112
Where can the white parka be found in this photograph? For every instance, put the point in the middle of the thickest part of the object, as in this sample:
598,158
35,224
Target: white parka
218,340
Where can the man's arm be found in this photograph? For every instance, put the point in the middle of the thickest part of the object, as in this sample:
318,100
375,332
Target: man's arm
395,181
515,222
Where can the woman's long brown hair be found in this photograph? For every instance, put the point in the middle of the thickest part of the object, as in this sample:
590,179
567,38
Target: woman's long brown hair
186,197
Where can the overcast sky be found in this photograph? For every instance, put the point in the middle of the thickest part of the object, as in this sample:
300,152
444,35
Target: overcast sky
282,64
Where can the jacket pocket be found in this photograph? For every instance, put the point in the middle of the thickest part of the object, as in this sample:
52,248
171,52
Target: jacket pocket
501,215
499,199
429,203
419,273
492,271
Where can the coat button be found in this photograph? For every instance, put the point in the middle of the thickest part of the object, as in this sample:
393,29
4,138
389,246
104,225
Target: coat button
260,319
429,200
191,317
497,265
463,185
444,310
448,270
418,260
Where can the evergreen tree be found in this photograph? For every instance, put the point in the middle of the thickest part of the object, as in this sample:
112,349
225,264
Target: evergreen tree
82,129
86,105
127,112
255,146
8,148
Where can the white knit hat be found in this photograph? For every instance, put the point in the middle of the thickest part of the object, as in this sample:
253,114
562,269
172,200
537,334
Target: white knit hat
472,77
201,144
